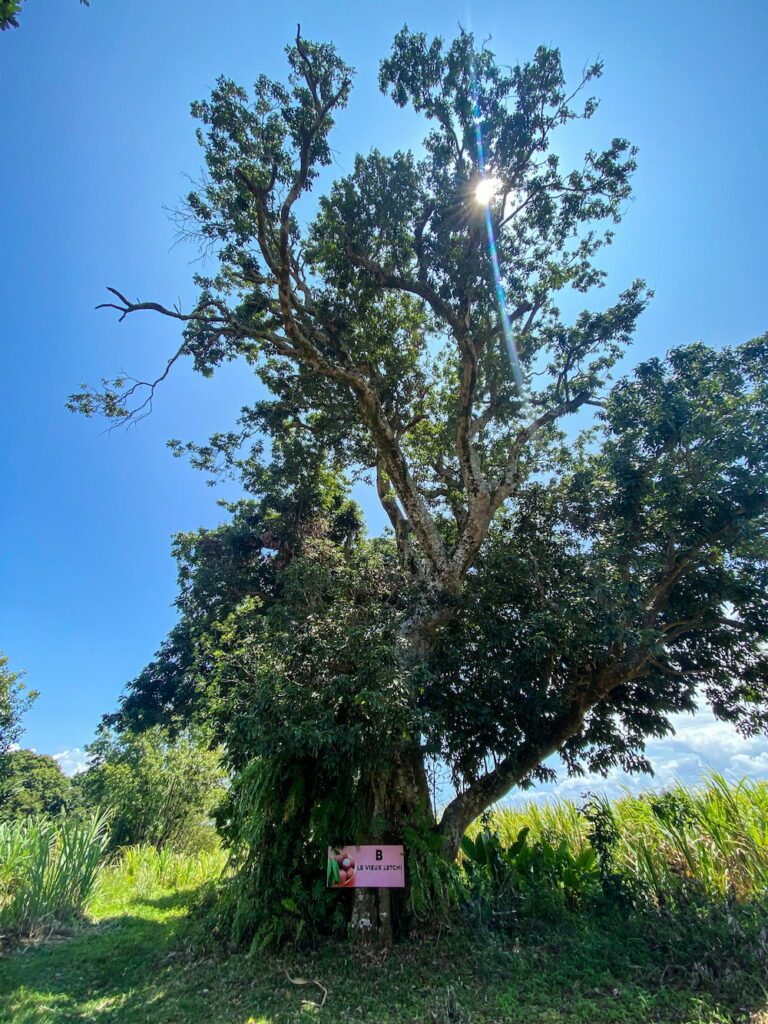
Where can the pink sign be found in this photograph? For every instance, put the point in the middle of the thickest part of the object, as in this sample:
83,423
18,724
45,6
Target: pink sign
376,867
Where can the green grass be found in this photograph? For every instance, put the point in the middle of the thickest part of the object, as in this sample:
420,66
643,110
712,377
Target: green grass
141,869
133,963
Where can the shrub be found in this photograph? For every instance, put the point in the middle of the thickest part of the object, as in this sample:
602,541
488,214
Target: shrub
529,875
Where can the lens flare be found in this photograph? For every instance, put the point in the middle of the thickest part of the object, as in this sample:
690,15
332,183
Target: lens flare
486,189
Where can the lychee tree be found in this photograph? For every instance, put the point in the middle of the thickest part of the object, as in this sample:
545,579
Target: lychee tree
538,593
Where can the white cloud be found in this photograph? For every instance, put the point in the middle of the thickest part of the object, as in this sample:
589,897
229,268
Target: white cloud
757,767
72,761
699,745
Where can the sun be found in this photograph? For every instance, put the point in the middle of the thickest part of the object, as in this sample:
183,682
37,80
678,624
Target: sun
486,189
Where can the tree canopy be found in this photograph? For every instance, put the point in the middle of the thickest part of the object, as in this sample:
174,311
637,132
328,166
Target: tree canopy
541,590
32,784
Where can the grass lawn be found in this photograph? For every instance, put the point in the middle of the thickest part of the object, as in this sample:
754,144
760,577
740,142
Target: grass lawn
132,964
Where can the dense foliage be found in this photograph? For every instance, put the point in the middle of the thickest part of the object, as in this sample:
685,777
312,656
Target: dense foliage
539,592
48,873
706,844
33,784
8,11
626,588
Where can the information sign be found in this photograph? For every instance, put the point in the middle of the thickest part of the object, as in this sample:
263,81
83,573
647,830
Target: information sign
372,867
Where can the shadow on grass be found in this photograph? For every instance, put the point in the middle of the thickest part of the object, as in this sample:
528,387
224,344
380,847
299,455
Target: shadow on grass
132,970
699,968
135,967
181,899
99,963
103,966
703,965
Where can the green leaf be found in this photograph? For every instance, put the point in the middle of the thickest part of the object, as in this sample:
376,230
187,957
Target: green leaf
332,872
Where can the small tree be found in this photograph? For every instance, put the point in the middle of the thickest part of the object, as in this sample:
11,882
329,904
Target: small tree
539,594
13,703
158,790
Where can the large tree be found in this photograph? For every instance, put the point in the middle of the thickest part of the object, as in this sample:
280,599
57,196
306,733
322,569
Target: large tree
539,594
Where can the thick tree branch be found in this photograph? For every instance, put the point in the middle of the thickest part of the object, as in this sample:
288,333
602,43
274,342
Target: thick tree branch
404,284
344,370
484,503
668,670
418,241
469,465
399,522
263,227
495,784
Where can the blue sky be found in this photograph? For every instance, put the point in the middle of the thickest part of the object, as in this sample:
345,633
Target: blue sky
96,143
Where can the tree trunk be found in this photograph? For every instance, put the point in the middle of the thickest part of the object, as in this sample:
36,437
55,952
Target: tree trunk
397,798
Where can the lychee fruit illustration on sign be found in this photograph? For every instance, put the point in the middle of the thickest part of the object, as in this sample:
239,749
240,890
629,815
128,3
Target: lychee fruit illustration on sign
366,866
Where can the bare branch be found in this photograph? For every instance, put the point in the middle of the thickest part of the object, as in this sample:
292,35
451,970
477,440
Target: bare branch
132,307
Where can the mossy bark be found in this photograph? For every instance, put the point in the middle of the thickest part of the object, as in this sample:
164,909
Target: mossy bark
397,798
